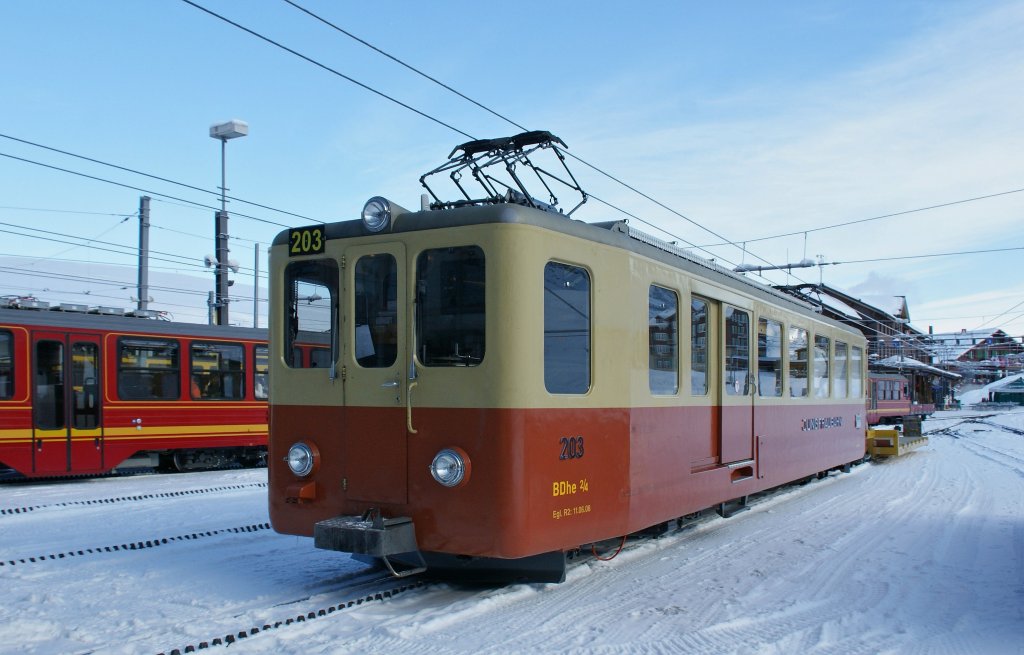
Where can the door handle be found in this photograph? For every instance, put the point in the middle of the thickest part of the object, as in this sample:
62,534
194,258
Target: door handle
390,385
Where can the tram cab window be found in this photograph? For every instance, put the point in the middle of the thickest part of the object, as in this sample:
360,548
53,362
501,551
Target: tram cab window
311,308
376,311
148,369
737,352
839,385
698,347
797,362
218,371
261,357
769,358
821,362
566,329
663,340
450,306
856,372
6,365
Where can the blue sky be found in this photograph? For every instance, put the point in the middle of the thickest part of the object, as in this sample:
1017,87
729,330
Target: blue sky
753,119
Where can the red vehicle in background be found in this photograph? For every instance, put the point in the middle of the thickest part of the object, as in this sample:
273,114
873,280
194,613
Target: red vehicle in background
84,393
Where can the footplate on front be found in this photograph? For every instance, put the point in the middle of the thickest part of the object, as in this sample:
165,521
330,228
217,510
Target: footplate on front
370,534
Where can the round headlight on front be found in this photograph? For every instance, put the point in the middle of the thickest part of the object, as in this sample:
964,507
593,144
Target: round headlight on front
300,459
450,467
376,214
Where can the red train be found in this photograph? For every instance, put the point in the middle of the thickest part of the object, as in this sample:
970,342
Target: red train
86,393
892,399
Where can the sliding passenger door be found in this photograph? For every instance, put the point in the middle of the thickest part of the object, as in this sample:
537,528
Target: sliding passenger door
67,428
737,394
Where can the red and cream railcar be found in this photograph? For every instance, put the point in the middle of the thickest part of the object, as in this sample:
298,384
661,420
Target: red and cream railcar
506,384
84,393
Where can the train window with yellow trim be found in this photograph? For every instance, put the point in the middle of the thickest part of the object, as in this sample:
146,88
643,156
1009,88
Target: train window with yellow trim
6,365
769,358
218,371
797,352
450,306
311,308
663,340
376,310
737,352
856,372
261,369
839,386
822,350
698,347
567,328
148,369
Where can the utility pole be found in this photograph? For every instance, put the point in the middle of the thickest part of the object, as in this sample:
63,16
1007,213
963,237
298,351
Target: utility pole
143,302
256,288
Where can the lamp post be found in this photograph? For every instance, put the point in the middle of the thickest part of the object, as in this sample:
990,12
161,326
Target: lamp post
223,131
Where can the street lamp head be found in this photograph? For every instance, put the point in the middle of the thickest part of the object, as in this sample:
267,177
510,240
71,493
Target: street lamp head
229,130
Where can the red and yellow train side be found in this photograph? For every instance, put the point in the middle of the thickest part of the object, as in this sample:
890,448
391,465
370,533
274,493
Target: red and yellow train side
84,394
506,385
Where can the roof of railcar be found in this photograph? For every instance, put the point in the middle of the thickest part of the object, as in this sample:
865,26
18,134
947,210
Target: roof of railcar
614,233
34,318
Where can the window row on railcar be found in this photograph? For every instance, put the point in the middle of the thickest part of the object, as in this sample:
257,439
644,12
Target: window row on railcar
788,356
150,368
449,325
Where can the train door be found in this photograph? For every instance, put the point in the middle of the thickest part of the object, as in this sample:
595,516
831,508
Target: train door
67,430
737,425
376,361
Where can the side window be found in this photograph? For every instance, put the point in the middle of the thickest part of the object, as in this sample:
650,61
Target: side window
769,357
856,372
376,307
450,306
6,365
737,352
842,368
311,306
821,355
319,358
148,369
566,328
663,337
797,362
261,356
218,371
698,347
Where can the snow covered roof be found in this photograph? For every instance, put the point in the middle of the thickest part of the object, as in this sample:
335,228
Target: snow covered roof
908,363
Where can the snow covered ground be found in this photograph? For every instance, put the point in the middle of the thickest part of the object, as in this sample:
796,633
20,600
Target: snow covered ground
919,555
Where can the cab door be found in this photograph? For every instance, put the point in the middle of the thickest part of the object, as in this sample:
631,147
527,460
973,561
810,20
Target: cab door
376,362
66,402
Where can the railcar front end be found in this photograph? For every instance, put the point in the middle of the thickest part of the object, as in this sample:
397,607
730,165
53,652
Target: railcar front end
503,385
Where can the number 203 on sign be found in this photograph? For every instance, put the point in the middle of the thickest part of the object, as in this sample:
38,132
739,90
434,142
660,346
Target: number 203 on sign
306,240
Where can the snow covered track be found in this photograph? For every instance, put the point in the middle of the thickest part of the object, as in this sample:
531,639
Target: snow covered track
124,499
918,555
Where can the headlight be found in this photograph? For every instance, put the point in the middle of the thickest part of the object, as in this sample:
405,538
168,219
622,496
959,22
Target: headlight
450,467
376,214
300,459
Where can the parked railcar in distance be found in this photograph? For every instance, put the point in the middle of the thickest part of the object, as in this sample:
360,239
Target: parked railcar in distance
84,393
506,385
